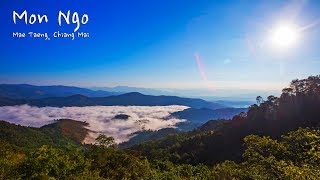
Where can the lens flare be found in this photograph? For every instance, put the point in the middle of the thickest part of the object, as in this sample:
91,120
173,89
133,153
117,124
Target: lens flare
200,67
203,72
285,36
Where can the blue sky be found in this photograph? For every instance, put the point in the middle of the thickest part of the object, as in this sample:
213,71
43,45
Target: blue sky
153,44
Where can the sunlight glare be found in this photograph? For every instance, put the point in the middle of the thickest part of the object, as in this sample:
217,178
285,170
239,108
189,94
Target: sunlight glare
284,36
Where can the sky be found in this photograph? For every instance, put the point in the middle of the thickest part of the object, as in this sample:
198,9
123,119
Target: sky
176,44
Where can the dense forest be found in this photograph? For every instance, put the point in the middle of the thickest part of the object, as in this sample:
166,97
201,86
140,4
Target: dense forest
214,142
278,138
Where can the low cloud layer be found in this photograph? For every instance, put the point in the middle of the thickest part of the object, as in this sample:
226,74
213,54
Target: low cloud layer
100,118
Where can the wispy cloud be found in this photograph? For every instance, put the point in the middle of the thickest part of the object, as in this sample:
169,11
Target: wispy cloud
100,118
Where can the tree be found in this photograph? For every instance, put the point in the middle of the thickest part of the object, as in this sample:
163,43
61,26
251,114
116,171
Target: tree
259,100
47,162
113,163
304,146
105,141
10,159
296,156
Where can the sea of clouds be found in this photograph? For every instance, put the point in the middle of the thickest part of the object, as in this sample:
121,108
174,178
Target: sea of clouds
100,118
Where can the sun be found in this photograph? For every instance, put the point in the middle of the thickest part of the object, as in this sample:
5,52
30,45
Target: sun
284,36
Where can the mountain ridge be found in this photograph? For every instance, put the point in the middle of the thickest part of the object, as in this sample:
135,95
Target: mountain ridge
128,99
63,132
203,115
27,91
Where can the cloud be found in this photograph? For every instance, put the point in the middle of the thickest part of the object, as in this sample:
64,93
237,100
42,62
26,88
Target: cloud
100,118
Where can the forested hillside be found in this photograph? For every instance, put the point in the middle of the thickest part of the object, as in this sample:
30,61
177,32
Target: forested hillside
294,156
298,106
61,133
278,138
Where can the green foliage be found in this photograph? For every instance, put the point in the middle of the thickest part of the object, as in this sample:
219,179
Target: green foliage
10,159
104,141
296,156
168,170
227,170
118,164
258,148
303,146
48,162
30,138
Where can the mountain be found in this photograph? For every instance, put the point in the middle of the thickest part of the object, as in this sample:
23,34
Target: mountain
127,89
204,114
26,91
237,99
196,119
217,141
62,133
235,104
4,101
289,148
212,125
146,135
129,99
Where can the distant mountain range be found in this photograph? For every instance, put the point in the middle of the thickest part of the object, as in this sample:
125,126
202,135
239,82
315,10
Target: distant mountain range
235,104
204,114
127,89
129,99
238,98
26,91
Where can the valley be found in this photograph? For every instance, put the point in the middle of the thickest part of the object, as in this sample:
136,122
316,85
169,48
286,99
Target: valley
156,134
